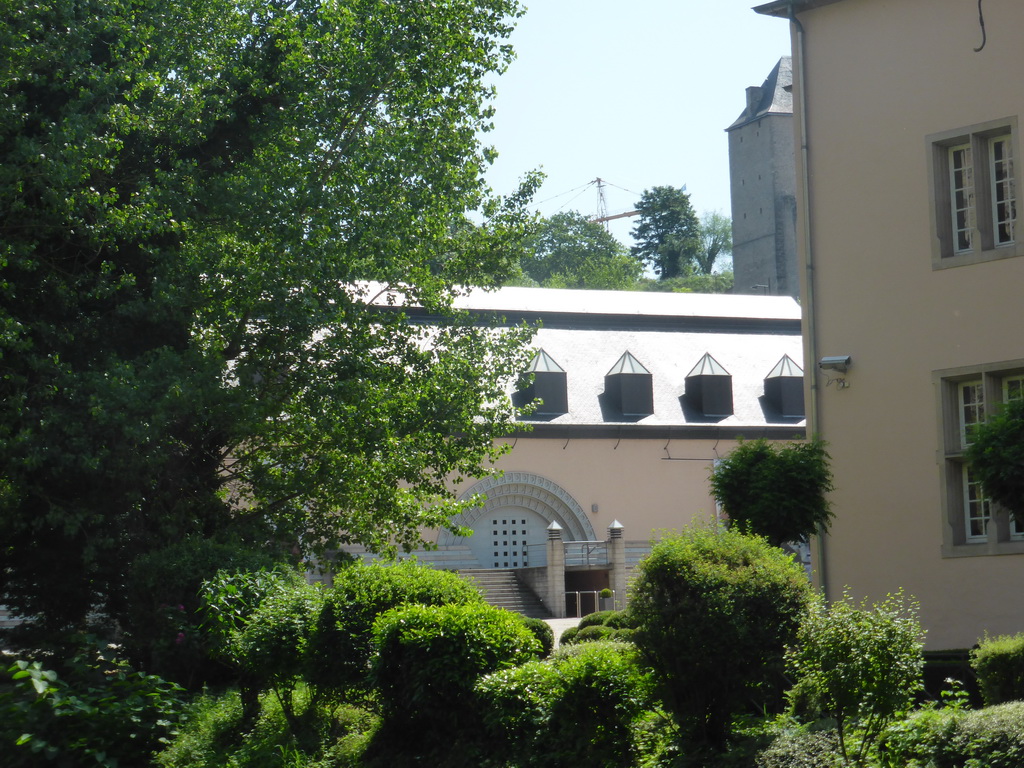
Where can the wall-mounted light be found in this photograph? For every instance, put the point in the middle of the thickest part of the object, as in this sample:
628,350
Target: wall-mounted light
835,363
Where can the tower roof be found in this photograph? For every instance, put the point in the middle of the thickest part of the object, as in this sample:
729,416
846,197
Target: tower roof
773,97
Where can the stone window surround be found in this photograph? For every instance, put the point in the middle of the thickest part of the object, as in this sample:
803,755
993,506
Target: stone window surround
1001,539
938,146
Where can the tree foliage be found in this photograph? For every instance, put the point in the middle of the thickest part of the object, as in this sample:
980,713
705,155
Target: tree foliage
196,198
776,491
996,455
715,241
667,234
92,710
714,611
719,282
568,250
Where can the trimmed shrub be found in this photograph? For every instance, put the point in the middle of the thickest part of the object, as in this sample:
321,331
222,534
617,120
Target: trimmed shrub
341,641
999,664
620,620
775,491
714,611
543,632
427,663
859,665
594,633
579,708
598,618
602,625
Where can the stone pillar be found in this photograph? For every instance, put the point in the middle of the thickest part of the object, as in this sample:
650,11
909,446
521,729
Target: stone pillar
617,560
555,600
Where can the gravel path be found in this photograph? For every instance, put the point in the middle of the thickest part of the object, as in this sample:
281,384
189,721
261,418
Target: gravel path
558,626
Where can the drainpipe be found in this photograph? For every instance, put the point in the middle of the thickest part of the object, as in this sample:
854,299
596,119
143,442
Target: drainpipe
813,415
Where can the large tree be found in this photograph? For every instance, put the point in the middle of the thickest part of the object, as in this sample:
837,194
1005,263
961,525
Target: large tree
568,250
199,202
667,234
715,241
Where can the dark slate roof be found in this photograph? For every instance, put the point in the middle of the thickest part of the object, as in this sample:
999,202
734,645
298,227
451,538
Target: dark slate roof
669,334
776,95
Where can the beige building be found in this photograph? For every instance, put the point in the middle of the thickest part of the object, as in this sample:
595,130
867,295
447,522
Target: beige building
640,392
907,117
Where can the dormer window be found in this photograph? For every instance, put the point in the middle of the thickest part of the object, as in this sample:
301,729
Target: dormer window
630,386
709,387
784,388
548,385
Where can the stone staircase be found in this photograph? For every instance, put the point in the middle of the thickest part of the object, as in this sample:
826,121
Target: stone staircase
502,589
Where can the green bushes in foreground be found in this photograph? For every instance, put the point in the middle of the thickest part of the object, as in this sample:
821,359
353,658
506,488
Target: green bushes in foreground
581,707
95,710
714,611
427,662
341,640
860,666
999,664
986,738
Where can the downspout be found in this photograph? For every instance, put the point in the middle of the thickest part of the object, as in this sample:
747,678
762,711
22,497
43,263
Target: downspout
813,416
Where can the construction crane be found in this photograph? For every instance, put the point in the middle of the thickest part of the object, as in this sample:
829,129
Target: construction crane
602,206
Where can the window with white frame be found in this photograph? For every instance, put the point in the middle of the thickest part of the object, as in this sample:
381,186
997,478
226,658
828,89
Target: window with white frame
974,181
974,524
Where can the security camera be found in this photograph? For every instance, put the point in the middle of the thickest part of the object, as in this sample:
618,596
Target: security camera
835,363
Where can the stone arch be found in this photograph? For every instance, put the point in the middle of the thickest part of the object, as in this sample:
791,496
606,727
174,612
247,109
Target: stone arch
524,491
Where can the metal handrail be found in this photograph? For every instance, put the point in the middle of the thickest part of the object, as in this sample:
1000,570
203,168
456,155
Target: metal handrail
586,553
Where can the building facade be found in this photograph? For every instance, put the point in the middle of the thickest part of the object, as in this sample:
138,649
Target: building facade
763,188
636,395
907,120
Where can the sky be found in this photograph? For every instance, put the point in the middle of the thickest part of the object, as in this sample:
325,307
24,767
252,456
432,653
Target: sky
638,94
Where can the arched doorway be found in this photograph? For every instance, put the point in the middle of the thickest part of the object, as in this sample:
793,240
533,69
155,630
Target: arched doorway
510,528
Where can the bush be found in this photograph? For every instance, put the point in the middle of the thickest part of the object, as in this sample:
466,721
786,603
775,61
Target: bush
598,618
162,615
714,610
270,649
96,711
986,738
579,708
601,625
543,632
427,663
341,641
858,665
999,664
799,748
594,633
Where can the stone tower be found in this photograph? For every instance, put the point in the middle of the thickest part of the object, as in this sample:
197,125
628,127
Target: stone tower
763,180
